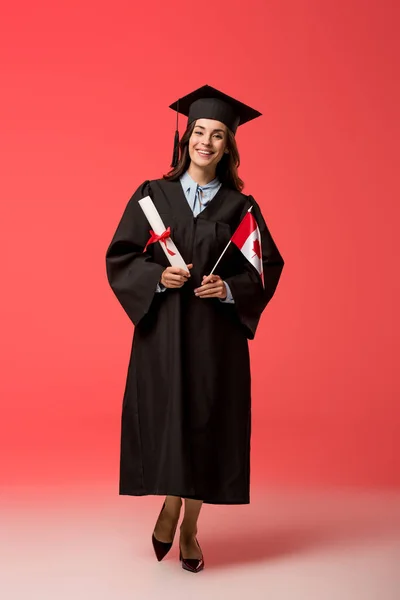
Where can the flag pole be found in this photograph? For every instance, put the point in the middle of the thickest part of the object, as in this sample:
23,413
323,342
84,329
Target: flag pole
217,263
226,248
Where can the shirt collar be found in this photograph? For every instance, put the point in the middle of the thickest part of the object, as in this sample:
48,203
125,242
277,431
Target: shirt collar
188,182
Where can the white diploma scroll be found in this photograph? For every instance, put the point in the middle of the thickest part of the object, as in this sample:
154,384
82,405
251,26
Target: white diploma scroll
153,217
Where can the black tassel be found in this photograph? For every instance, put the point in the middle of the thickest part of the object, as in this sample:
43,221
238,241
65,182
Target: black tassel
175,155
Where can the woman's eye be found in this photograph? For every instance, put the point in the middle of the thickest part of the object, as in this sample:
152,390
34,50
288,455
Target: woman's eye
198,132
218,136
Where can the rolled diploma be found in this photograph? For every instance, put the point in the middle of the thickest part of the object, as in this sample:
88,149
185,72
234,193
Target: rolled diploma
153,217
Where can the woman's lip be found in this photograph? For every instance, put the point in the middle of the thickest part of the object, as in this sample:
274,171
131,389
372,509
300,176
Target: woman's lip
205,154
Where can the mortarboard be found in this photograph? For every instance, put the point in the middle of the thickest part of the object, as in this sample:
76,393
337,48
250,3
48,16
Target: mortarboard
209,103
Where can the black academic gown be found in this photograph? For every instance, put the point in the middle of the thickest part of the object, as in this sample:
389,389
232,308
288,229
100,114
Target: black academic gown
186,414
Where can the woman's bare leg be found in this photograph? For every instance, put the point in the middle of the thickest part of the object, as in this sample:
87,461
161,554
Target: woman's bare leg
188,529
166,523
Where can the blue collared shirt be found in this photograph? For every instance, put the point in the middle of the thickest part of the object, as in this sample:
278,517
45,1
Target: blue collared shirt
198,196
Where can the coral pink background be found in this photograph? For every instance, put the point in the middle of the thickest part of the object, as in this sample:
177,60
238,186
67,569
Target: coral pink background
85,119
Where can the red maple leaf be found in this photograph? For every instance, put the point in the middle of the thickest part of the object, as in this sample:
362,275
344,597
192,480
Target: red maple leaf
256,249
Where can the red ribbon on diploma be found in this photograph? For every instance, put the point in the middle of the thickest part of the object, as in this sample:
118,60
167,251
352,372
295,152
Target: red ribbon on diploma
160,238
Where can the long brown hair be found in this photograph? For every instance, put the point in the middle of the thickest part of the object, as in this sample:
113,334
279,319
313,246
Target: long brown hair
227,168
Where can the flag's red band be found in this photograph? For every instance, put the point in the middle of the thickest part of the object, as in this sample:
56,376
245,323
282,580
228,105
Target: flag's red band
246,227
160,238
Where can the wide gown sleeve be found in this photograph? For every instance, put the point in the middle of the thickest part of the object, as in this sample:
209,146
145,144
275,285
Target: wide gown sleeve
247,290
132,274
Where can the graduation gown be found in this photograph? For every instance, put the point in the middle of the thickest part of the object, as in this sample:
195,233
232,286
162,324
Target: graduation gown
186,415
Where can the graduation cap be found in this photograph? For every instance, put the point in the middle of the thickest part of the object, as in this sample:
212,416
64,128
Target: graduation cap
209,103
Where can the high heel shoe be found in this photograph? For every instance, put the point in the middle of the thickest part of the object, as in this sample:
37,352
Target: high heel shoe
194,565
161,549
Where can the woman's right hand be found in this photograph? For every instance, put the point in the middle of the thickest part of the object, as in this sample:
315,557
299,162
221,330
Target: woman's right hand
174,277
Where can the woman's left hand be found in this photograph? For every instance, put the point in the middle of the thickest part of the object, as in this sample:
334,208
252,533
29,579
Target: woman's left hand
212,286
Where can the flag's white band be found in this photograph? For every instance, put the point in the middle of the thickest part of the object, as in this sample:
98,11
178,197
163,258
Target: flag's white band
247,250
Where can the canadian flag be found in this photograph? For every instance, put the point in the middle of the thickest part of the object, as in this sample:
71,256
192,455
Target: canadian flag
247,238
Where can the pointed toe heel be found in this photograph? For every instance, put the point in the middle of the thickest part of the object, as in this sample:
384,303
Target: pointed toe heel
161,549
193,565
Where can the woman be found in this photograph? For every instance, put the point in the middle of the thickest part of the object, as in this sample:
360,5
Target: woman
186,414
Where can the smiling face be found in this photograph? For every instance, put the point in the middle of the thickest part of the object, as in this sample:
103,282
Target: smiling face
207,143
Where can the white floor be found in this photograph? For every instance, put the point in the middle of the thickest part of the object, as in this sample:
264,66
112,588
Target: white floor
286,545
